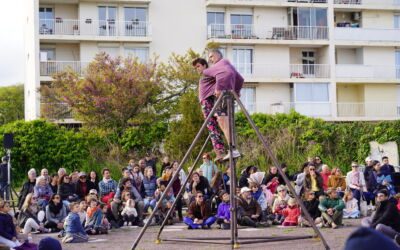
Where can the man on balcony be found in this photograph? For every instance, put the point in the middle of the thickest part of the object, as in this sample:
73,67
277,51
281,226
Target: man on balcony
227,78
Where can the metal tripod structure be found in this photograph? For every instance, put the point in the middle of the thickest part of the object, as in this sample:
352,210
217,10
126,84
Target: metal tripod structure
229,97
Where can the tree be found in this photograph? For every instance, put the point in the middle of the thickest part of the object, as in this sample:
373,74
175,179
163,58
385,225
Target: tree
11,103
111,93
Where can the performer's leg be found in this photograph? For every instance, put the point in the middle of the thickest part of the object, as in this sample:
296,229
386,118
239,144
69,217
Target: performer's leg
212,125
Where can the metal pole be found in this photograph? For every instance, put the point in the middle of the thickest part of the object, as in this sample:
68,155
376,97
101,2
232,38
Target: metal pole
234,243
276,163
139,237
191,170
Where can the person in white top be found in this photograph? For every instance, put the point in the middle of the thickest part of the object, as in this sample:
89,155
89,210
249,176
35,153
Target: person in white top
356,182
351,206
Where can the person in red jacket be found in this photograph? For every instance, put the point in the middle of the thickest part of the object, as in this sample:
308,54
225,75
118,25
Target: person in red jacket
291,213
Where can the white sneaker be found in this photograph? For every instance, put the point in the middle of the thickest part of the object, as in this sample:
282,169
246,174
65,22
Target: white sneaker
235,154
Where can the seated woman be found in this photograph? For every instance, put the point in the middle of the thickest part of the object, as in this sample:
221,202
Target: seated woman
351,206
42,191
313,181
66,190
31,217
356,182
199,184
224,214
56,212
75,233
337,181
150,186
291,213
311,203
8,234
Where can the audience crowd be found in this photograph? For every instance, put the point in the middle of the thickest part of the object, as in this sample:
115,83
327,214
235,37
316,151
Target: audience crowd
79,204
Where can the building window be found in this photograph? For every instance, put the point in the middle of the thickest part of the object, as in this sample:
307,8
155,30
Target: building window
248,98
135,21
216,24
243,61
241,26
308,61
141,53
107,20
46,20
397,21
312,99
113,52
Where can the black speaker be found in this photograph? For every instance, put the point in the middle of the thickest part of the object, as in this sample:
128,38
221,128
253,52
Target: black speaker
8,141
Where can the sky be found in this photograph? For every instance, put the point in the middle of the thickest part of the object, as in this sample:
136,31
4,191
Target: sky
12,46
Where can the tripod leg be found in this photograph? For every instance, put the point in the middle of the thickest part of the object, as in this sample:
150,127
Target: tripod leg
276,163
191,170
234,234
136,242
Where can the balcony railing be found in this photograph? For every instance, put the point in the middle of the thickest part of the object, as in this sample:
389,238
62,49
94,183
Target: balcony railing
367,34
369,2
56,111
249,31
91,27
368,109
314,109
50,68
354,71
267,1
283,71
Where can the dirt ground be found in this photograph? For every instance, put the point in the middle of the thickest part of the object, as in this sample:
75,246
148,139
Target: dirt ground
123,238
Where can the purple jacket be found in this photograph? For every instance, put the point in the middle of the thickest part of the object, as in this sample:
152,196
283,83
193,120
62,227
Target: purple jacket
226,76
223,211
206,87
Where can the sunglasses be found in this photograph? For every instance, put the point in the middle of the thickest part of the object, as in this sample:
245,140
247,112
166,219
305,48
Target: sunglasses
57,198
312,169
281,191
354,166
83,177
200,196
93,193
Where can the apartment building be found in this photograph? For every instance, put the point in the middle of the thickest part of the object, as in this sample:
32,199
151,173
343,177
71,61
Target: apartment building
334,59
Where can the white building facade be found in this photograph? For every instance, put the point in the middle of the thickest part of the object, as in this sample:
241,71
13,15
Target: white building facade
333,59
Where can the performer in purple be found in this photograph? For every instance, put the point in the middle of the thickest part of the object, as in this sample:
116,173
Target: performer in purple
227,78
207,100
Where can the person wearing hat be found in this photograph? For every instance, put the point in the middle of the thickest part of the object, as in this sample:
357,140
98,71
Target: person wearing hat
199,213
224,214
280,203
331,208
386,218
249,211
83,186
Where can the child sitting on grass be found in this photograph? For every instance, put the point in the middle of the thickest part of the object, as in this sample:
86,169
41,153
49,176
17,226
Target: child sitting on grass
351,206
74,231
129,212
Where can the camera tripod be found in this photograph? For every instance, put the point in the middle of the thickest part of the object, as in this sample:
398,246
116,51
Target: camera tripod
234,240
8,191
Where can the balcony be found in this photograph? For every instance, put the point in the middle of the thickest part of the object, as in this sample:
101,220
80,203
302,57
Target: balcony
260,34
371,110
313,109
56,111
93,29
367,73
367,36
50,68
283,3
367,4
289,72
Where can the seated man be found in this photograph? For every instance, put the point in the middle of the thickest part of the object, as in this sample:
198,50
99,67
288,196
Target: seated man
331,208
107,187
199,213
386,219
249,210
